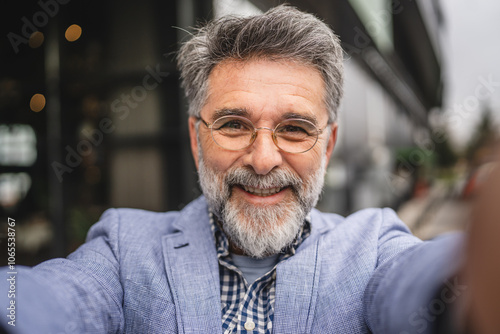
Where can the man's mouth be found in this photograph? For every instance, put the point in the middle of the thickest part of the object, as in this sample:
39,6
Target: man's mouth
261,192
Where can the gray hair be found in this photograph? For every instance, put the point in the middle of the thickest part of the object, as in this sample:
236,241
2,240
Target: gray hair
282,33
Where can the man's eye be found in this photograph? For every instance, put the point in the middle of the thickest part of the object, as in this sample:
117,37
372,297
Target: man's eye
292,129
235,125
231,125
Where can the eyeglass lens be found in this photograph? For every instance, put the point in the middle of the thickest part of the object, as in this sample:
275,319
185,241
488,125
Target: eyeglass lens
236,133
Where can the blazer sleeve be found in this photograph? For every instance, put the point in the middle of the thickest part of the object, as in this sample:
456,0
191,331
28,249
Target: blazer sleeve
411,287
80,294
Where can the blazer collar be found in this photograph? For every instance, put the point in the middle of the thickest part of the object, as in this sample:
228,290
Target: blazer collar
297,282
192,270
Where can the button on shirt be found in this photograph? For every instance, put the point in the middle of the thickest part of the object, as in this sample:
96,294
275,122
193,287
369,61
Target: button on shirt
248,308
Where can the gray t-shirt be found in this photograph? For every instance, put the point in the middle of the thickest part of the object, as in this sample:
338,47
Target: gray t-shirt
253,268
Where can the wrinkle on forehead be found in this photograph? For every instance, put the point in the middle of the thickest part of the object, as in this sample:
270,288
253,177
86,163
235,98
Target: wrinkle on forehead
262,85
241,66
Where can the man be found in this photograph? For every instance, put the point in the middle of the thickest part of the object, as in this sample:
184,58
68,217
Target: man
251,255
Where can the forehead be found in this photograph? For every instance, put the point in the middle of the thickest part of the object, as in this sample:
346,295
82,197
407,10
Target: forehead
266,89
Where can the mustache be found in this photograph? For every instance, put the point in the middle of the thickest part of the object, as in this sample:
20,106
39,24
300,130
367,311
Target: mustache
279,178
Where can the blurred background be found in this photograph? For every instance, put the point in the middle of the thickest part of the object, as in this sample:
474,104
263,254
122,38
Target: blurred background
92,116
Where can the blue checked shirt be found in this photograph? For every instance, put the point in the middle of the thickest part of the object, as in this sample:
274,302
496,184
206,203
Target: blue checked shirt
248,308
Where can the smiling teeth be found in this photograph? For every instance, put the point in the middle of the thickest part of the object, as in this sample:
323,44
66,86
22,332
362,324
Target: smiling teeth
262,192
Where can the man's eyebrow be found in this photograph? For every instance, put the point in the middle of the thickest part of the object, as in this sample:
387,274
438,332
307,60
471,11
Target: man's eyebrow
244,113
230,112
310,118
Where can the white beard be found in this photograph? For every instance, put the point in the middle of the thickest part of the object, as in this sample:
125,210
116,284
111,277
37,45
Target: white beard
260,231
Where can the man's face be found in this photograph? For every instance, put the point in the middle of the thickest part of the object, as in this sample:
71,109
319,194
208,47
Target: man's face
266,92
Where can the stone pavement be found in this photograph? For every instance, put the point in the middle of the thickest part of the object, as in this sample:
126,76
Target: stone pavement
436,212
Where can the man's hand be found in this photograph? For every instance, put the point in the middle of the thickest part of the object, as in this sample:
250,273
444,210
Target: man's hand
482,271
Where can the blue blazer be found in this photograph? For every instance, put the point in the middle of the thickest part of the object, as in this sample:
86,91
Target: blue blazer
145,272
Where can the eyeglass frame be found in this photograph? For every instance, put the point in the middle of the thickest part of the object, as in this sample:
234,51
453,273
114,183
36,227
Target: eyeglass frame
255,130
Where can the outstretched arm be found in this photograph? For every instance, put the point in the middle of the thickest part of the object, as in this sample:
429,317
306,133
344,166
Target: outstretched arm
80,294
453,281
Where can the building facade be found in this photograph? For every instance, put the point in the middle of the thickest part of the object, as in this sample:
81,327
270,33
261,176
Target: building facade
110,129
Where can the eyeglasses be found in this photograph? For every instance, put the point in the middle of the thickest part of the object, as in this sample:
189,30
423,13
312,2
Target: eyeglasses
236,133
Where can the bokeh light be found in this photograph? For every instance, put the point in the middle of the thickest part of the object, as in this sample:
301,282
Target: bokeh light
37,102
73,32
36,39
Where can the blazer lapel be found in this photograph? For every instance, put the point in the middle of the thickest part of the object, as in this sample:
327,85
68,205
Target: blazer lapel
297,280
192,270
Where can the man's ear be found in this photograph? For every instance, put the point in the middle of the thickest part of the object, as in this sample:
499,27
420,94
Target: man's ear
193,137
332,140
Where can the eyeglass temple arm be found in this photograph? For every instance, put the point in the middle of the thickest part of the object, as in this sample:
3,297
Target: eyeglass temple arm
320,131
201,119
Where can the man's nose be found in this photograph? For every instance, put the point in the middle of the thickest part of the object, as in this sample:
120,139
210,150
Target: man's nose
263,155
